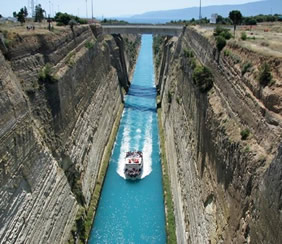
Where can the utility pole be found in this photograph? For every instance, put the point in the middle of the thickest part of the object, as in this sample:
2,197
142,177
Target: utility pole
32,8
49,9
200,11
92,8
86,10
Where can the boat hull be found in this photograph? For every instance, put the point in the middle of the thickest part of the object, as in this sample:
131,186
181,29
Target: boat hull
133,165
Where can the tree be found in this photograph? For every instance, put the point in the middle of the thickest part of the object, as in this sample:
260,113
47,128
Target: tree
236,18
21,15
64,19
25,13
39,13
1,16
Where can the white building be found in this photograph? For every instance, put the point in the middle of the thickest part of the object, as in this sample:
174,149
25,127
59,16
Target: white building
213,18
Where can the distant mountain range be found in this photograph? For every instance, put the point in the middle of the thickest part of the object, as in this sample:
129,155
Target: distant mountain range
248,9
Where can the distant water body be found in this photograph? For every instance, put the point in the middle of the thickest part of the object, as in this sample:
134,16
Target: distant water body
133,211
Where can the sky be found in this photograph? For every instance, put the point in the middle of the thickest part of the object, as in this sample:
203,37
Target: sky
108,8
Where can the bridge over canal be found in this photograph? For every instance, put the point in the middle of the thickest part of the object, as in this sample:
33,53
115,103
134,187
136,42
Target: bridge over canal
167,30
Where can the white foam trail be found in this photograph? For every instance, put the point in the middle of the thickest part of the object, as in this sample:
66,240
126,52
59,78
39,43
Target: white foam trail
123,149
147,150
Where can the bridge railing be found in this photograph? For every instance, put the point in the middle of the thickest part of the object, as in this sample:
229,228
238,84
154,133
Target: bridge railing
143,29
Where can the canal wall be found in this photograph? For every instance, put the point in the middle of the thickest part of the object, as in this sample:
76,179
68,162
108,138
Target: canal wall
225,189
60,94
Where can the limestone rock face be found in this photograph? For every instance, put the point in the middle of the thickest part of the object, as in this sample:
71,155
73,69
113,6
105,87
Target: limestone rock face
225,189
53,131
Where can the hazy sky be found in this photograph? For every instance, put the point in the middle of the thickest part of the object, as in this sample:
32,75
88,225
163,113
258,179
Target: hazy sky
108,8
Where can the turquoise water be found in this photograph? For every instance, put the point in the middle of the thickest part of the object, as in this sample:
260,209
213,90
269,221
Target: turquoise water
133,211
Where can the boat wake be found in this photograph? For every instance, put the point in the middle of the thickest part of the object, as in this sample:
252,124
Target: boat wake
147,150
124,148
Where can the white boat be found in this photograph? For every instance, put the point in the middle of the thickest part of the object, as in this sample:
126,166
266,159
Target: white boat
133,165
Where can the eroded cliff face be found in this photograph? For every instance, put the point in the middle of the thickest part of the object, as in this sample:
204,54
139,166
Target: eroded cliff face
53,129
225,189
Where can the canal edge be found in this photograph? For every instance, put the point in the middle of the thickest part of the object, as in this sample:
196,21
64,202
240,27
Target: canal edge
168,201
90,215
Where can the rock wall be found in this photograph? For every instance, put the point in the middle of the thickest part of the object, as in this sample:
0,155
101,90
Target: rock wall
53,130
225,189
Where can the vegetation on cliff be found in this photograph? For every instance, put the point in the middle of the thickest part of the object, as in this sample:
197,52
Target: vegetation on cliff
157,43
64,19
45,74
131,49
203,78
224,32
244,134
220,43
265,75
246,67
84,219
170,219
221,35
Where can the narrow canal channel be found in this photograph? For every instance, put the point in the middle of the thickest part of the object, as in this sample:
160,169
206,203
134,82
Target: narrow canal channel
133,211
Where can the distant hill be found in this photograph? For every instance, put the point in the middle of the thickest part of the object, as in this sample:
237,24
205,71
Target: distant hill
248,9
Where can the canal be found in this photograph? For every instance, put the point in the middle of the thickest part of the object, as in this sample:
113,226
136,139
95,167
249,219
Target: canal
133,211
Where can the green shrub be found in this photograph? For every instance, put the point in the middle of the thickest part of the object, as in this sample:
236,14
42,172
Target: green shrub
45,74
220,43
203,78
178,100
168,197
225,33
265,75
188,53
227,52
157,61
70,59
247,149
64,19
245,133
192,63
249,21
157,43
7,42
246,68
89,44
244,36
